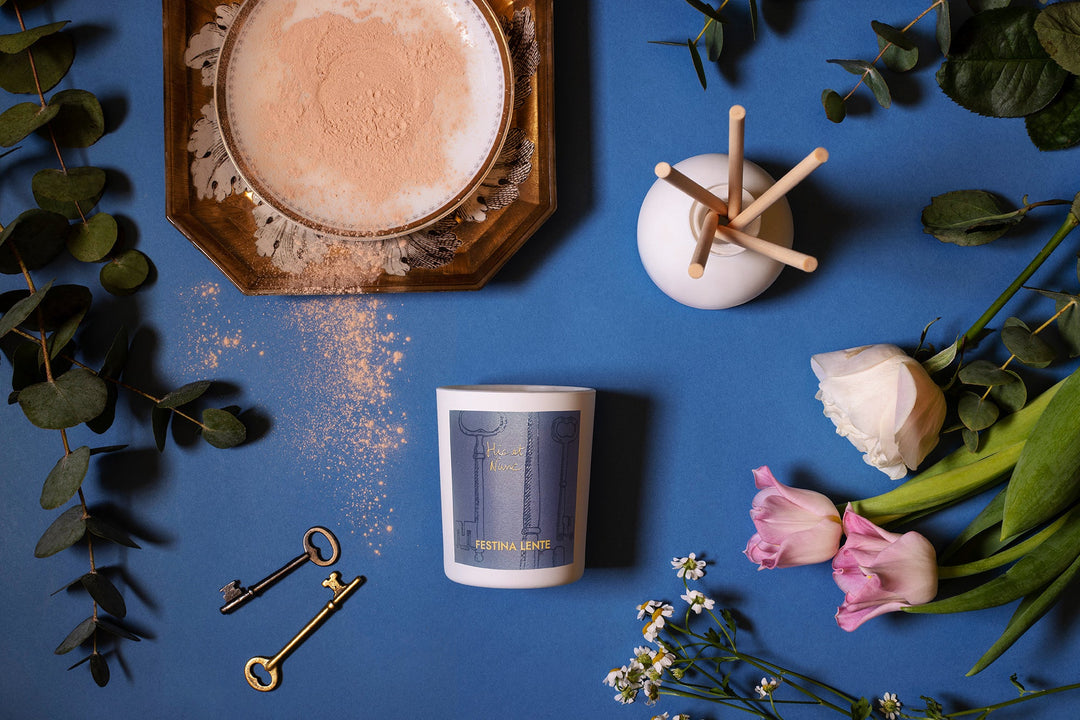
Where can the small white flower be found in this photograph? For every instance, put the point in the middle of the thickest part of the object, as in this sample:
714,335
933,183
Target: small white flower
689,567
656,621
698,602
661,716
613,677
662,660
681,716
646,608
890,706
651,688
767,687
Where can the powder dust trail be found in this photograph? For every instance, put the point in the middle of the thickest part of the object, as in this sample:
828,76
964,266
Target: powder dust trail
208,333
348,428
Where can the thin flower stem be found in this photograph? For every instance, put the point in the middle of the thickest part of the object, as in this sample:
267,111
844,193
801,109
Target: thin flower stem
1015,701
972,334
1036,331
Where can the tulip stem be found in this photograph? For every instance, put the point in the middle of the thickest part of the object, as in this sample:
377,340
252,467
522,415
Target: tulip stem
1000,558
969,337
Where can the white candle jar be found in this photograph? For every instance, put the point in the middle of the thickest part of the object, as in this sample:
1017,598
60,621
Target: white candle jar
514,469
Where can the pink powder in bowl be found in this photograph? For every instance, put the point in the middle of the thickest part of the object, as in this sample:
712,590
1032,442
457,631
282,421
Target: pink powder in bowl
364,118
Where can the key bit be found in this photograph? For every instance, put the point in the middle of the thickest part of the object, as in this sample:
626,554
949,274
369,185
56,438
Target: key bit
236,595
232,591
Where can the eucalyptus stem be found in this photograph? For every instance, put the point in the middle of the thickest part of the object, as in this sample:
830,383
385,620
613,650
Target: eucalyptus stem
1067,226
888,45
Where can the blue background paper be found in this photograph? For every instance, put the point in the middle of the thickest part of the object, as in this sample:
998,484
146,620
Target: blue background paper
340,395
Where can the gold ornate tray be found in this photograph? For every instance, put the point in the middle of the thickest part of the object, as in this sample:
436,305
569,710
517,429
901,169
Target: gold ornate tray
225,229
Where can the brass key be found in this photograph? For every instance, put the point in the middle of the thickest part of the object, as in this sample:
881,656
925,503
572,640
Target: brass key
272,666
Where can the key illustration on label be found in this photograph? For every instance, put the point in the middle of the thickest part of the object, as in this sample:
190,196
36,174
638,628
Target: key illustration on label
514,488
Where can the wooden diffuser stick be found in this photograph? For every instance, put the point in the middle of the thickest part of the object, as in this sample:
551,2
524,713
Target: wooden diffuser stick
736,134
665,172
704,245
793,177
793,258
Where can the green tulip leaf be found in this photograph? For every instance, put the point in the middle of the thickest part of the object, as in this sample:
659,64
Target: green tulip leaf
976,412
69,400
1046,480
871,76
1057,126
699,68
186,394
107,531
64,532
35,237
21,310
93,240
1028,612
104,593
80,121
222,429
1033,571
82,632
18,42
1058,29
53,55
997,66
899,53
66,478
125,273
1028,347
99,669
968,217
19,121
835,108
987,519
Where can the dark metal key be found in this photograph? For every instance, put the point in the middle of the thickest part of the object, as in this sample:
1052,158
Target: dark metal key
235,595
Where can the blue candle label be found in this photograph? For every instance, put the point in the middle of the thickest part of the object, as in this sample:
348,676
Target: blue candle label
514,488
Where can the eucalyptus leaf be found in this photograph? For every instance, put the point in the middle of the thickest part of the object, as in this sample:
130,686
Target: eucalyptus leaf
942,359
222,429
114,629
35,237
984,374
1010,396
159,419
1058,29
1047,476
65,478
61,304
19,121
1028,347
99,669
695,56
25,369
18,42
69,400
21,310
64,532
93,240
835,108
184,395
1030,610
899,53
108,531
82,632
63,335
78,184
1057,126
871,76
1068,323
705,9
714,40
53,55
997,66
970,438
984,5
104,593
115,356
1030,573
80,121
125,273
943,28
976,412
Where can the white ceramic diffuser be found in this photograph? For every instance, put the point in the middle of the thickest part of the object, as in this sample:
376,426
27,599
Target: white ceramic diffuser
715,230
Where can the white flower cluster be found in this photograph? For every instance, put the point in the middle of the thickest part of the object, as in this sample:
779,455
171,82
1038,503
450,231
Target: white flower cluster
645,672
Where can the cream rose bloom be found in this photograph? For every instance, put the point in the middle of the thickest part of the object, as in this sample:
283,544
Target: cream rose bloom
884,402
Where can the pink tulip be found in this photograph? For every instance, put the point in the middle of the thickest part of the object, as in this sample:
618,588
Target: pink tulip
880,571
794,526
